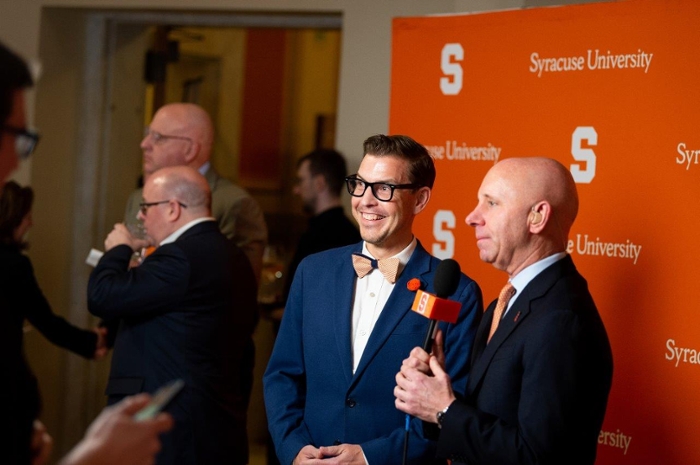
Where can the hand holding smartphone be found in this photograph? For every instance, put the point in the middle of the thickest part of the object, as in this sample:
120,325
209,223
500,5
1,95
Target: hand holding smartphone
160,400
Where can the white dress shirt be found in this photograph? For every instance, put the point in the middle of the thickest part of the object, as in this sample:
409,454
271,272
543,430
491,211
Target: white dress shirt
523,278
371,294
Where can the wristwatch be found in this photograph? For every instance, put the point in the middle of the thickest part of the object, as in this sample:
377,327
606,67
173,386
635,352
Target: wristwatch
440,415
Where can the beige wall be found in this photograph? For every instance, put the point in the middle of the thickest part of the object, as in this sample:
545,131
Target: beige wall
55,30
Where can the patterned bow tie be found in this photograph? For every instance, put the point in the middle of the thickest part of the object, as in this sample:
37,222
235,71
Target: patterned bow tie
389,267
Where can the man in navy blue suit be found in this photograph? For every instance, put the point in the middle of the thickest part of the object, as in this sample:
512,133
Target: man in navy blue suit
188,311
541,373
329,383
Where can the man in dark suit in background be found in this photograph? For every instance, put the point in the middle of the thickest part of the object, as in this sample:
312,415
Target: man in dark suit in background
188,311
320,180
329,383
541,374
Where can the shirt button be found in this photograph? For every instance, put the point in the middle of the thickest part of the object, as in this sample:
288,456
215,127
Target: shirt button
363,333
371,294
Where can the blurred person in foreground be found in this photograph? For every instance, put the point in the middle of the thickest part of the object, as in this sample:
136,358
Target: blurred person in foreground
187,311
20,296
329,383
116,438
541,363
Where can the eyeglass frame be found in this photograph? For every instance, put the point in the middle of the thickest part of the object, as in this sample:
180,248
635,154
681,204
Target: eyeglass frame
160,138
144,206
354,178
32,138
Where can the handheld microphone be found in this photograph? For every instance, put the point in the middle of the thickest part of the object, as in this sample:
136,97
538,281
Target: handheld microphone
437,307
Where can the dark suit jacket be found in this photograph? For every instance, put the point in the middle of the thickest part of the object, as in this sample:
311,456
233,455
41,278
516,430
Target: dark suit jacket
188,311
537,392
311,394
326,230
20,299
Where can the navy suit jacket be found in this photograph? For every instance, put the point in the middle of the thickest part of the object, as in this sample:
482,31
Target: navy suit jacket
311,394
188,311
537,392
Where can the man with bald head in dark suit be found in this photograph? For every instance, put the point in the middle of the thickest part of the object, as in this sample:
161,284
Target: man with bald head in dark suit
188,312
541,364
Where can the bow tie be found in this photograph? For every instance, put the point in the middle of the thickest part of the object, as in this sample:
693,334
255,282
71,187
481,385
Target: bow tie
389,267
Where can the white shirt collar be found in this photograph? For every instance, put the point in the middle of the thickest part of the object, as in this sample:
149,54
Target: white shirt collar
204,168
523,278
174,236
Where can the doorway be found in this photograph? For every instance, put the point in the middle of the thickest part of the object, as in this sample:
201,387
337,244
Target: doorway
103,111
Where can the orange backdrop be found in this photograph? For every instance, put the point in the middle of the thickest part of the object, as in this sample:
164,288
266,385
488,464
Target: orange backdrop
613,91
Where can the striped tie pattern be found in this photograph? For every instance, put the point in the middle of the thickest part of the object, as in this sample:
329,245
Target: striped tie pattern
504,297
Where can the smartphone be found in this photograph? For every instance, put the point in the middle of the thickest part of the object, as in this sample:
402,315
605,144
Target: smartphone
160,400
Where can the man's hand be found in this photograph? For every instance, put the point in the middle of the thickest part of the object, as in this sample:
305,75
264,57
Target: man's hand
420,360
422,386
115,438
307,454
101,348
343,454
121,235
41,444
331,455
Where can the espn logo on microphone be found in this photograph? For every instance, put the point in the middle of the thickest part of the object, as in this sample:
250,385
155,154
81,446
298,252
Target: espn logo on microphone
436,308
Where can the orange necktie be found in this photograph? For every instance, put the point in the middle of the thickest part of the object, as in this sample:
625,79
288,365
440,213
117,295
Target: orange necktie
506,294
389,267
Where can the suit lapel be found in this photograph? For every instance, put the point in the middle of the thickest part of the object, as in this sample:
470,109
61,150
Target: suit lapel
518,313
482,333
398,304
484,352
344,295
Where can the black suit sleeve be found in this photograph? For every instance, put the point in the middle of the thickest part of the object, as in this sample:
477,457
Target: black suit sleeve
115,291
549,380
38,311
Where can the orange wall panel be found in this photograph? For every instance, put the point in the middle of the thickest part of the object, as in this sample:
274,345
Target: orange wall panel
263,101
484,87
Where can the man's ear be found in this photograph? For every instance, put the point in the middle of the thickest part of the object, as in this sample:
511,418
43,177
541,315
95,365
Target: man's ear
538,217
319,183
422,199
174,211
192,152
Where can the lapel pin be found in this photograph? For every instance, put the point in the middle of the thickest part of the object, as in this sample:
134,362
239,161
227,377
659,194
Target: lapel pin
517,315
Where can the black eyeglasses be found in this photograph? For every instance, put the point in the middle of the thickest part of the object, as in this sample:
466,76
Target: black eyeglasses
25,140
159,138
382,191
144,206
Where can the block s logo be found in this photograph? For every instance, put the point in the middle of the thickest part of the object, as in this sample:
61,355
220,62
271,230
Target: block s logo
451,83
444,222
586,155
423,303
